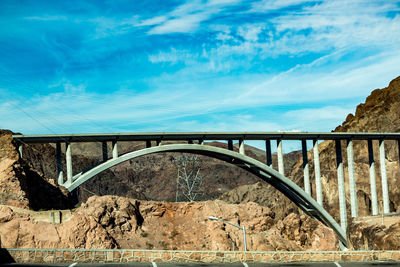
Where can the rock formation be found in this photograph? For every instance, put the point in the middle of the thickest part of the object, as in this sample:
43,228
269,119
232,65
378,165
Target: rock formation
117,222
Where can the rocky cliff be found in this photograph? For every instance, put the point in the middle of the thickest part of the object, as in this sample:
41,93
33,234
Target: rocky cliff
117,222
22,185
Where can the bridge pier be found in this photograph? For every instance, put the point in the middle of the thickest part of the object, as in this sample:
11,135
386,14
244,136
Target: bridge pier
241,146
385,190
148,143
280,156
114,149
352,181
306,171
230,144
317,172
68,158
20,148
60,173
268,153
372,180
104,150
341,189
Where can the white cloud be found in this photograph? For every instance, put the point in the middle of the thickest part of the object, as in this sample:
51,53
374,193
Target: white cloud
269,5
184,24
186,18
47,18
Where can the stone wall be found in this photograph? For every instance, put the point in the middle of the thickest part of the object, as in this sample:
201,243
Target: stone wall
127,255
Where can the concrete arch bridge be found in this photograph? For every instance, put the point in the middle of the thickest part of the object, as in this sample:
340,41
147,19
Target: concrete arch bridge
195,143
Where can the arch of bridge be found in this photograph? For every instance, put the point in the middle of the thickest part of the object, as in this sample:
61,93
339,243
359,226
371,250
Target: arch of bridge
277,180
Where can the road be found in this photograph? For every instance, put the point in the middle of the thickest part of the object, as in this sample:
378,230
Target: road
161,264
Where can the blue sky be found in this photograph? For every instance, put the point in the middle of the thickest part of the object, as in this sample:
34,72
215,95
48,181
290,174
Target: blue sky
221,65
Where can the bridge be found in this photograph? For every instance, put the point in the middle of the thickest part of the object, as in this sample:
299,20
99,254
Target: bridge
196,143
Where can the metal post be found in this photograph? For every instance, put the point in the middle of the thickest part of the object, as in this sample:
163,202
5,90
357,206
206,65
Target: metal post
306,171
341,189
352,180
59,164
68,159
230,145
114,149
385,191
268,153
241,146
281,168
317,171
105,150
374,199
148,143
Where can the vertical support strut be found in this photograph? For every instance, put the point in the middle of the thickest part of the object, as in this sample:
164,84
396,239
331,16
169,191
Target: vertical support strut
148,143
68,159
20,149
306,170
201,141
105,150
190,142
268,153
341,189
159,142
241,146
317,171
398,147
352,180
374,199
114,149
281,168
385,191
230,145
60,178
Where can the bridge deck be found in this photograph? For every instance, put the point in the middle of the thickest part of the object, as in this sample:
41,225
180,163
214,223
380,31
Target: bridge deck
53,138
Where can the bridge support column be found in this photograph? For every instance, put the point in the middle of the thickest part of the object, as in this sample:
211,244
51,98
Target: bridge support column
104,150
241,146
148,143
281,168
230,145
341,189
268,153
20,148
60,178
159,142
306,171
68,159
398,146
201,141
372,180
317,172
385,191
114,149
352,180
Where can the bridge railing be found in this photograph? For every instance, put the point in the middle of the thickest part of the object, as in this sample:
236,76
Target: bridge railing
240,137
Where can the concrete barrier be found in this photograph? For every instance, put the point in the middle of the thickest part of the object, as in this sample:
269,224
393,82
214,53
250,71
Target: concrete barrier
21,255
